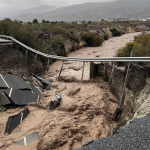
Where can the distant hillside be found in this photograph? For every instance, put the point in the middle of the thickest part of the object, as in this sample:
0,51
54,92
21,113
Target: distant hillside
35,10
91,11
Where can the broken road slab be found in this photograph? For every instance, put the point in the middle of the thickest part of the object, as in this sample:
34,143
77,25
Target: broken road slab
46,84
21,97
4,99
36,90
12,81
28,139
14,121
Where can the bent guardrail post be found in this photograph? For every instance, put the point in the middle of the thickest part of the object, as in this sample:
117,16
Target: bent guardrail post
61,68
26,54
118,111
48,62
112,73
92,70
34,59
83,71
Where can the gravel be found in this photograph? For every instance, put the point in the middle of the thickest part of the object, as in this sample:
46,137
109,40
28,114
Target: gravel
135,136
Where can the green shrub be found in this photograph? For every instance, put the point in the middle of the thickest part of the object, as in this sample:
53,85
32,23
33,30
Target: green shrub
92,39
115,32
57,44
4,27
58,30
125,52
141,47
105,36
48,49
29,22
44,28
35,21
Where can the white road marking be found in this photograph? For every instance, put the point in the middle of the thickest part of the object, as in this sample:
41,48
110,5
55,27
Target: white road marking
39,89
38,98
4,80
10,92
21,117
25,141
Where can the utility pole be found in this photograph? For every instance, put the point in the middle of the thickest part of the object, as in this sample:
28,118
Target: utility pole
41,18
99,19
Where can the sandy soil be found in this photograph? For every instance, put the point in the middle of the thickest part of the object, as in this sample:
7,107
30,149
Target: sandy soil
85,112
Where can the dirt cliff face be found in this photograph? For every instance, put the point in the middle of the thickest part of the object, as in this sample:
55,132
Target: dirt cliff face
73,36
124,28
136,99
13,61
74,44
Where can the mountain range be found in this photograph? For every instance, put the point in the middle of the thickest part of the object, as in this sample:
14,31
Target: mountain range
133,9
35,10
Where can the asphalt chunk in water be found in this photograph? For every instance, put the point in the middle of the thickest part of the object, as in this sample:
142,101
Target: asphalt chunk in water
21,97
36,90
12,81
14,121
28,139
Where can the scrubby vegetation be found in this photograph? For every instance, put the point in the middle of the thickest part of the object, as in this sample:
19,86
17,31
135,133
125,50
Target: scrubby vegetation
52,37
92,39
140,47
115,32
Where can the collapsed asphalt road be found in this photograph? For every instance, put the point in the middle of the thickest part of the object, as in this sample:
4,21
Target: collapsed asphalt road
135,136
84,113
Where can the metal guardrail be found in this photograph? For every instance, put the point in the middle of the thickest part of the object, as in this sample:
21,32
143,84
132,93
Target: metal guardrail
5,41
110,59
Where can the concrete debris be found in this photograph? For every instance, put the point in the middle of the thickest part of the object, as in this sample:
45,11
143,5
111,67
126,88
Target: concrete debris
55,103
15,91
14,121
46,84
28,139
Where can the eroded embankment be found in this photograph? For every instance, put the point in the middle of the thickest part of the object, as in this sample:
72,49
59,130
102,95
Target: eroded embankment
85,112
136,99
13,60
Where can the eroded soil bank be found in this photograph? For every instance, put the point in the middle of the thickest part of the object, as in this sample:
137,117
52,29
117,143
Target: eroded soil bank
85,112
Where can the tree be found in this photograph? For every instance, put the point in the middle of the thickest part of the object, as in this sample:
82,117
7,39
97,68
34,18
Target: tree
43,21
29,22
89,22
47,21
35,21
7,19
83,22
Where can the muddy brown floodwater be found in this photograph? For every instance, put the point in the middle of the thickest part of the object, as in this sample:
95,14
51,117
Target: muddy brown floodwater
85,112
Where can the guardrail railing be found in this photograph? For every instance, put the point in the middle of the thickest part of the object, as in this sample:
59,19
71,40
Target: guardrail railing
109,59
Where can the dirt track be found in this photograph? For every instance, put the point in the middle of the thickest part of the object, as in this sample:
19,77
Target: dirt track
85,112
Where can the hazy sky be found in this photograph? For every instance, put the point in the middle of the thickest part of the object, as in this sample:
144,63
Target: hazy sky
23,4
8,6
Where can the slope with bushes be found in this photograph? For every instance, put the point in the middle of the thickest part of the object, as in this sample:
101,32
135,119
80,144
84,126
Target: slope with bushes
59,38
140,47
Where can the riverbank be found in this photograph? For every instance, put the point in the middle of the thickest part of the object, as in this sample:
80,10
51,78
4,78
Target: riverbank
85,112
